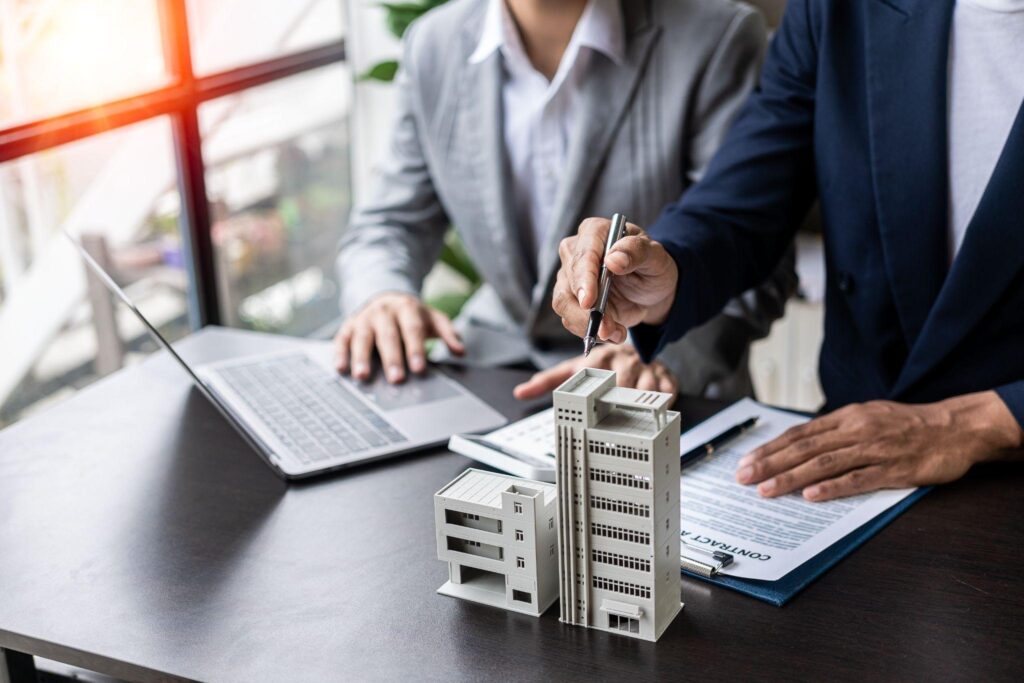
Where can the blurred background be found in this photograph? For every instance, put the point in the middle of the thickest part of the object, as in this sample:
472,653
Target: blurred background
208,152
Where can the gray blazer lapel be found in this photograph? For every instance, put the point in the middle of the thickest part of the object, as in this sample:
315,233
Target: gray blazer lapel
606,96
478,146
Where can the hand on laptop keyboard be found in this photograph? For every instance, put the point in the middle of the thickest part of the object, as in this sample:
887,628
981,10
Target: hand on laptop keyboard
392,322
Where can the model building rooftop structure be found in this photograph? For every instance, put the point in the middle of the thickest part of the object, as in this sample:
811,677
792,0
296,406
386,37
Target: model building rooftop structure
617,453
486,488
497,534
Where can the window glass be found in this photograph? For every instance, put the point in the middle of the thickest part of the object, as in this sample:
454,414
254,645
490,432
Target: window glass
278,182
65,55
118,191
231,33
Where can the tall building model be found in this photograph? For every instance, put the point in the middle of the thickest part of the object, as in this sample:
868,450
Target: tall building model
497,534
617,454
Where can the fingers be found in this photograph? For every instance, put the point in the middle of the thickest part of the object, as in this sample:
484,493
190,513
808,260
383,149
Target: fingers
389,346
546,380
362,348
611,331
628,254
667,383
585,252
627,367
647,380
824,466
566,305
790,437
850,484
413,329
769,468
342,340
444,329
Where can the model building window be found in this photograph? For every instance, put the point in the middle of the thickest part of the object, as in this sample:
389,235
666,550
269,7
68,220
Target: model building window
623,623
521,563
522,596
551,522
519,534
518,508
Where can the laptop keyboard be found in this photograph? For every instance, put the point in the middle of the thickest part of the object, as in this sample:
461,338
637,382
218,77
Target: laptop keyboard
308,409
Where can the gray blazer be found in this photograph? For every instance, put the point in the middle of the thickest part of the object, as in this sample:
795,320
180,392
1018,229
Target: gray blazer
647,129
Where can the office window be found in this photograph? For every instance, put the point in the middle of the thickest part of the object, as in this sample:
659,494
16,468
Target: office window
62,329
519,534
277,177
107,130
73,54
521,563
217,45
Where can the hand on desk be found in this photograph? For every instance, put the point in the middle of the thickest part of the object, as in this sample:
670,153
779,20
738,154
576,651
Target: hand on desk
642,290
624,360
883,445
398,325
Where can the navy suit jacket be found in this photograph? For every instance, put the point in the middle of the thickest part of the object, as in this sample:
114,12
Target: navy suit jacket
851,110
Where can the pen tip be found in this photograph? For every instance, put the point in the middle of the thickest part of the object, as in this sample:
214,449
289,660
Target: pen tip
588,344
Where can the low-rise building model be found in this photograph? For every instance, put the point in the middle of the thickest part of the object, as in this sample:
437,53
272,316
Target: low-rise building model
497,534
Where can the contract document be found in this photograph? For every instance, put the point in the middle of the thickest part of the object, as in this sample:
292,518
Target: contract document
767,537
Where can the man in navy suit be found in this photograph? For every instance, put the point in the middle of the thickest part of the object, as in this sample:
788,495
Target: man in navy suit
904,118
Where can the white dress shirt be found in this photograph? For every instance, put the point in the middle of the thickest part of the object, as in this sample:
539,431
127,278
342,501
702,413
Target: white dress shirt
539,115
986,90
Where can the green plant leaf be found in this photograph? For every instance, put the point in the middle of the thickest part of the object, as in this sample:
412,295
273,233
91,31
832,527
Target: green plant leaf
449,304
455,257
382,71
398,15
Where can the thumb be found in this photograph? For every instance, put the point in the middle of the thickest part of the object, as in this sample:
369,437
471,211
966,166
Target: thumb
628,255
446,331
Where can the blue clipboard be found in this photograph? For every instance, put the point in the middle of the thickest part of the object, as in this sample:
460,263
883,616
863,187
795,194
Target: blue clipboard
782,591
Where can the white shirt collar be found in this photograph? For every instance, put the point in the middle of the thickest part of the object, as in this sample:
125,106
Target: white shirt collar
996,5
600,28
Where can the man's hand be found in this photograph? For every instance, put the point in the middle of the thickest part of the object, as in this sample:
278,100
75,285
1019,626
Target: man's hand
399,325
883,445
642,290
624,360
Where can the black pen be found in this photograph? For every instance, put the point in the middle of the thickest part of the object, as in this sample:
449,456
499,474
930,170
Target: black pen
615,233
717,442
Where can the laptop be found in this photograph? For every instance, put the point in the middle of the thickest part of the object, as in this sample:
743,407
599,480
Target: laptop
304,419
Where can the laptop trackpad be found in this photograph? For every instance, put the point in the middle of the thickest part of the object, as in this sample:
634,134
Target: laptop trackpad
415,391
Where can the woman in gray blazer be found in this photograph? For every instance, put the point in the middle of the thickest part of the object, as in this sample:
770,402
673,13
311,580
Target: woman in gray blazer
516,119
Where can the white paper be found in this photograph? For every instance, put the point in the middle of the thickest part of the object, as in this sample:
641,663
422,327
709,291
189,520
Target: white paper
534,435
768,538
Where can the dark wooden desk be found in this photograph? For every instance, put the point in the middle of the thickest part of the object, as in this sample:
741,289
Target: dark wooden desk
140,538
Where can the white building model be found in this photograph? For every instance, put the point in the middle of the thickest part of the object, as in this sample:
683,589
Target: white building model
617,456
497,534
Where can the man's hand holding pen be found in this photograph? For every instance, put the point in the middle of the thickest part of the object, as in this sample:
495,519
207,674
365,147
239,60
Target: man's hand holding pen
860,448
642,290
